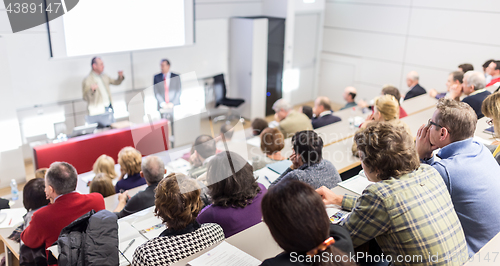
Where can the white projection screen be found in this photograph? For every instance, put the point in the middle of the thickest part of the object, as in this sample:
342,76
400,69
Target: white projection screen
95,27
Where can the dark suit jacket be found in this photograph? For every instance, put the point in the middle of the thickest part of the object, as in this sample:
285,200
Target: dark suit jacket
415,91
174,90
342,241
325,120
140,201
476,101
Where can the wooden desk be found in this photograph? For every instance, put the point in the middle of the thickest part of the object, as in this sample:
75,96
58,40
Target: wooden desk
340,155
419,103
481,126
10,247
416,120
112,201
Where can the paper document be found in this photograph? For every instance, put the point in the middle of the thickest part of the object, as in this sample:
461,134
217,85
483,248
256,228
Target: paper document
356,184
14,217
255,141
266,176
225,254
150,227
178,166
54,250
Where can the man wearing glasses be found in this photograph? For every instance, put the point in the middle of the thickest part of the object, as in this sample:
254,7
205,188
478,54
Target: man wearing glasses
467,167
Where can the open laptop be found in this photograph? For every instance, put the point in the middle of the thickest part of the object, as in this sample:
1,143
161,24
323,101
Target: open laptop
102,120
84,130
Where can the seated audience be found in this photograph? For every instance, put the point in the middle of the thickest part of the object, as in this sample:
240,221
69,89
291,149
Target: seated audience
486,72
258,124
153,170
473,88
408,209
465,67
40,173
494,71
415,89
307,162
290,121
204,149
467,168
105,164
455,80
349,95
102,184
130,168
391,90
297,219
307,110
177,204
33,199
491,109
236,196
271,144
386,109
66,206
323,114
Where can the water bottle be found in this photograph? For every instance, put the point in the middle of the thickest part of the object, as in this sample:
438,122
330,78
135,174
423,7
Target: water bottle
351,118
13,189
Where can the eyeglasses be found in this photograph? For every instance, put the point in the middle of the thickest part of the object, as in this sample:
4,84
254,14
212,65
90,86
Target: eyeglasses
490,122
430,122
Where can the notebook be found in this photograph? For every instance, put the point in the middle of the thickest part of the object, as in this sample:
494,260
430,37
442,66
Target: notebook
280,167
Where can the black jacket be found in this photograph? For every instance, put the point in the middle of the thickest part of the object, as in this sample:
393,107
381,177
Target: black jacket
174,90
325,120
140,201
417,90
91,239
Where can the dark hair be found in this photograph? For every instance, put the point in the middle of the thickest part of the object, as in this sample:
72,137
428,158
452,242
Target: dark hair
458,76
166,61
297,219
497,63
62,177
102,185
177,201
205,146
458,117
387,149
307,110
391,90
226,131
487,63
308,145
94,60
353,95
466,67
34,194
231,181
271,141
259,124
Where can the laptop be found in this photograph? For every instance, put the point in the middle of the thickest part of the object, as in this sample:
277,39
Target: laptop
84,130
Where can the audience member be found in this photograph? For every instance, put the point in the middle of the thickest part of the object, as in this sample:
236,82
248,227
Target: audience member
473,87
177,203
454,78
349,95
467,168
258,124
386,109
307,110
307,162
391,90
465,67
487,76
323,114
102,184
66,206
289,120
298,222
204,149
33,199
130,168
415,90
271,144
153,170
491,109
40,173
494,71
105,164
235,194
408,209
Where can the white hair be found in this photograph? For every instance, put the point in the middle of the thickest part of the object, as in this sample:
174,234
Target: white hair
476,79
282,104
413,75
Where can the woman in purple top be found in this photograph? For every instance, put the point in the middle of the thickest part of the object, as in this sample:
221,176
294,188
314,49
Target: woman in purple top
235,194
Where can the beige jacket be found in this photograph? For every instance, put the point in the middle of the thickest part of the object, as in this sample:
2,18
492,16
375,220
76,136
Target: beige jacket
94,99
293,123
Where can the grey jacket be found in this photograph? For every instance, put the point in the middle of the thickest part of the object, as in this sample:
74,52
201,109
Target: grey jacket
316,175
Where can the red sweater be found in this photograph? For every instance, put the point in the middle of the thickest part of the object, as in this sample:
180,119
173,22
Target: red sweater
402,112
47,223
493,81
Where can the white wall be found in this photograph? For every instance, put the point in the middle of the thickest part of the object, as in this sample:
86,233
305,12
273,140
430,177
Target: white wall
29,77
369,43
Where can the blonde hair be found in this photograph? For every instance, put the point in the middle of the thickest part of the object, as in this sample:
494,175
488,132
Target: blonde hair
40,173
130,160
491,109
103,185
388,107
105,164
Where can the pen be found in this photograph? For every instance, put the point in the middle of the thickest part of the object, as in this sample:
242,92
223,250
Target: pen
129,245
267,178
10,221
